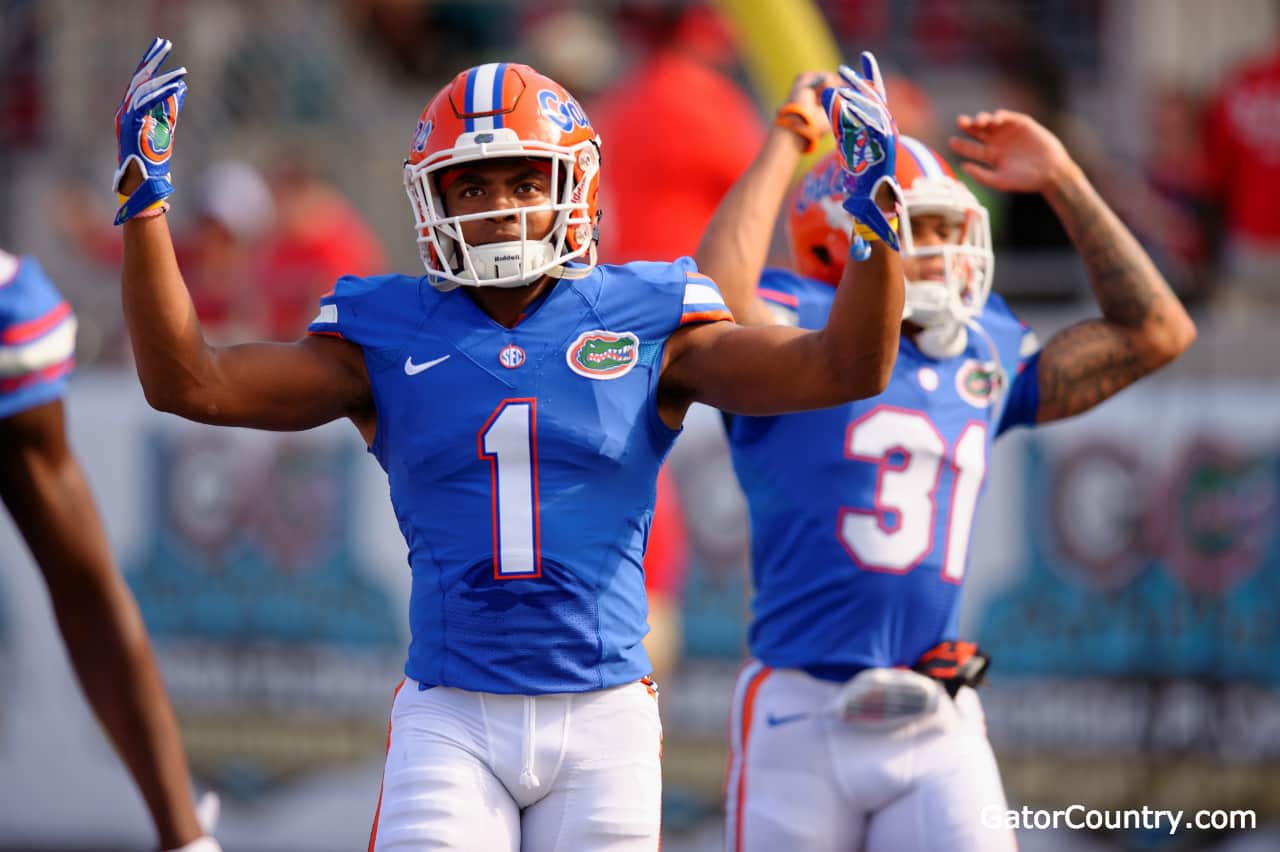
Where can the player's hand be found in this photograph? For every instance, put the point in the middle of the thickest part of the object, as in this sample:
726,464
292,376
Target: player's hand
867,140
803,113
145,124
1010,151
208,809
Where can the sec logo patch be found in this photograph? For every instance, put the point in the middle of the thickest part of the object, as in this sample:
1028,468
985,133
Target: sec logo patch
511,356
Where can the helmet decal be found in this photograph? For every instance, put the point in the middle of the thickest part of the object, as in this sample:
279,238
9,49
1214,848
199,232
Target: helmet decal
565,115
421,136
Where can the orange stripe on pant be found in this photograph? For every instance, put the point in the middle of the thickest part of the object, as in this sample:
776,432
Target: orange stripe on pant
748,709
652,687
373,831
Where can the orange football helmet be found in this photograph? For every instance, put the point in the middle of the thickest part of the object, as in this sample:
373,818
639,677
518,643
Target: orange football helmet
497,111
818,228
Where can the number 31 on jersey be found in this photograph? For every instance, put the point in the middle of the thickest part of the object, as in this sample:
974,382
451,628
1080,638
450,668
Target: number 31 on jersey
910,454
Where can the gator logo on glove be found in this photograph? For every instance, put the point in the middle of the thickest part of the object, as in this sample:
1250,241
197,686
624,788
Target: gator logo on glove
145,124
155,136
866,139
861,151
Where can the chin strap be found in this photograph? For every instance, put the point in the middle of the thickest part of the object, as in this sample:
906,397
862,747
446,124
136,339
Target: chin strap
999,378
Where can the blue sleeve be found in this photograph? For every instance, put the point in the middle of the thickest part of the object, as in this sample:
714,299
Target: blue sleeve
1023,403
1024,397
360,309
37,337
793,299
652,300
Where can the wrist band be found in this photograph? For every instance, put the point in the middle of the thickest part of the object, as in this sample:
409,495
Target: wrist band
129,204
803,127
869,235
156,209
121,198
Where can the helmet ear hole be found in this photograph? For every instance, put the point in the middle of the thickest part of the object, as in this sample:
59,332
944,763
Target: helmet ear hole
823,256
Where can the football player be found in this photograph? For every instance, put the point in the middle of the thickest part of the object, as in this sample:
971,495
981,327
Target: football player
47,495
521,399
854,724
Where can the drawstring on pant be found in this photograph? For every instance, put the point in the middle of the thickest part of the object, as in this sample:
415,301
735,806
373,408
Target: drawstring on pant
528,779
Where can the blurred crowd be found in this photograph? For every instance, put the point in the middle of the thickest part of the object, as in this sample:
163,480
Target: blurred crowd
1191,170
257,249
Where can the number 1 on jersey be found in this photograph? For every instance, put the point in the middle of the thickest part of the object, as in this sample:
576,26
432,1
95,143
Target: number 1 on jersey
509,442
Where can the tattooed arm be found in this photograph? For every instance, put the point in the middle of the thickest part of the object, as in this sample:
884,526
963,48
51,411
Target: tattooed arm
1143,325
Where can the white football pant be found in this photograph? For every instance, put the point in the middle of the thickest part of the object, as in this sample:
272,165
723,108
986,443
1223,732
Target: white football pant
483,772
801,778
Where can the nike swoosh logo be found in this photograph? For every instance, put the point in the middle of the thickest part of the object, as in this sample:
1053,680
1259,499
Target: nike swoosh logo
774,721
412,369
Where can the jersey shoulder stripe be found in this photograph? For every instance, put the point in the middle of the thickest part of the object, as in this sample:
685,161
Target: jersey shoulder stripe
653,299
37,336
366,310
702,300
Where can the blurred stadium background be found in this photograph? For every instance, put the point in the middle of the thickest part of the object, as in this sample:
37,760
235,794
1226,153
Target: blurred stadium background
1125,573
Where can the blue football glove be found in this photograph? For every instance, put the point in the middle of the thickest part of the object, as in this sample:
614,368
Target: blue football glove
145,124
867,140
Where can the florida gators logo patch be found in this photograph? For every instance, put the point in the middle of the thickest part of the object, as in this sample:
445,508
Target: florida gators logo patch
603,354
978,383
155,137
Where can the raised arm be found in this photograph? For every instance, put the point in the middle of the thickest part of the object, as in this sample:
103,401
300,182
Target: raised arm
772,370
736,242
775,369
263,385
1143,325
280,386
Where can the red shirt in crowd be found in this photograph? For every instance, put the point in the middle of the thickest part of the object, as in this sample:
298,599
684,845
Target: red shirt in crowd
1244,149
675,134
667,555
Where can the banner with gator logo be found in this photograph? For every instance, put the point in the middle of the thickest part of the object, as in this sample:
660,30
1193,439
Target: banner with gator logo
1128,600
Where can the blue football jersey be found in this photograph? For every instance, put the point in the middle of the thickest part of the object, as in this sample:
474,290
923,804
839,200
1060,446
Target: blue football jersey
861,514
37,336
523,465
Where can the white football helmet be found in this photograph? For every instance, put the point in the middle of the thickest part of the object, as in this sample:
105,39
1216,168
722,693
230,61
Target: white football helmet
944,309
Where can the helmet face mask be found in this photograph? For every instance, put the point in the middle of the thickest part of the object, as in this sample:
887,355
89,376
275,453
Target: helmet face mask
941,301
504,111
956,289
